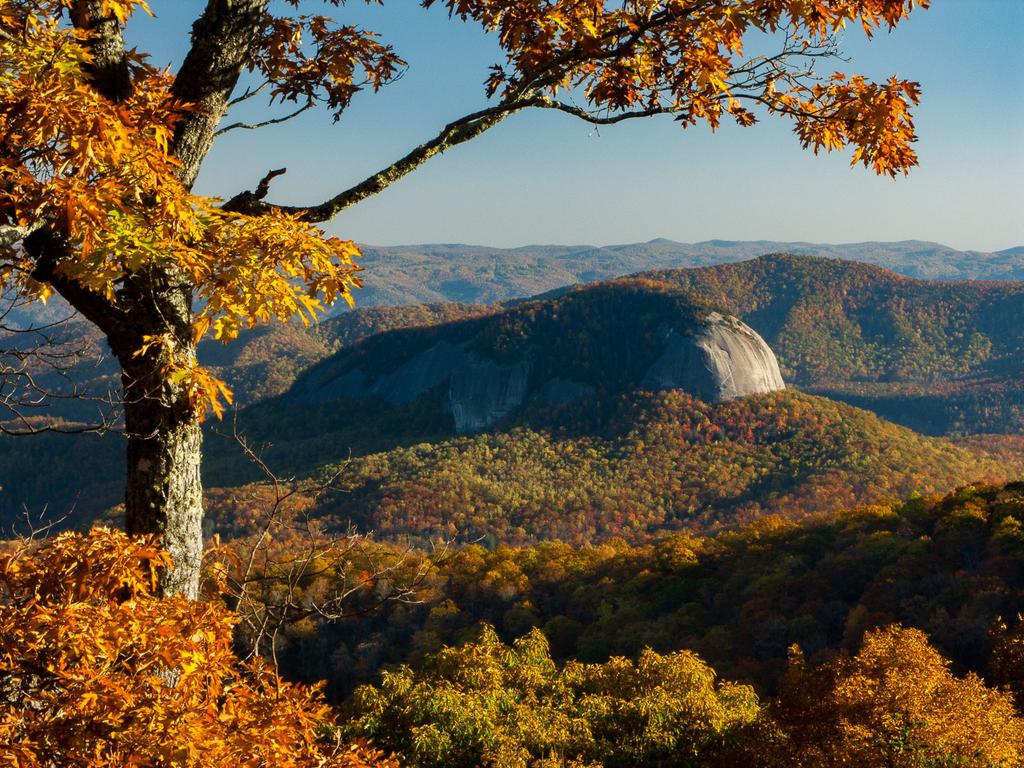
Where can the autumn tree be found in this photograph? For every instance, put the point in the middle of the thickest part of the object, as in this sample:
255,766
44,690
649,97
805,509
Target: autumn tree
100,150
1006,664
895,703
86,648
491,704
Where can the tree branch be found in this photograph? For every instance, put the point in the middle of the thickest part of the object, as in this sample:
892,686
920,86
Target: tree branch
610,119
10,234
457,132
249,93
528,91
41,386
48,250
109,65
222,44
249,202
265,123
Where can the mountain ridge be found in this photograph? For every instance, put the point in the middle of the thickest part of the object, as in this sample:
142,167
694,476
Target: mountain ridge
458,272
940,357
605,335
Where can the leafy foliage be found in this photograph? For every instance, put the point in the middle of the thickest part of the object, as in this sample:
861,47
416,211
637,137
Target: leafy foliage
101,170
948,565
487,704
95,670
646,65
895,703
645,462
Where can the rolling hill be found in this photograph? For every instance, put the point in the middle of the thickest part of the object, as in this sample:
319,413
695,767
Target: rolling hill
570,436
647,463
938,357
943,357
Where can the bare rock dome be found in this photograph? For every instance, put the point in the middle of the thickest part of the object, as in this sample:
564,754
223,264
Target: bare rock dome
723,360
604,338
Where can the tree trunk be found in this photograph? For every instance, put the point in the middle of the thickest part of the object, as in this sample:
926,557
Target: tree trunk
163,490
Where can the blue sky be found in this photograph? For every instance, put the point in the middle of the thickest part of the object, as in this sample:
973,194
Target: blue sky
549,178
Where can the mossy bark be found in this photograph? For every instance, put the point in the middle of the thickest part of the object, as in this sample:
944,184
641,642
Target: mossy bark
163,489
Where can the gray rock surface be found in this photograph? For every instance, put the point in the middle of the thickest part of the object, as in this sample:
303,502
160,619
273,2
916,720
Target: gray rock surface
724,360
720,360
416,376
481,392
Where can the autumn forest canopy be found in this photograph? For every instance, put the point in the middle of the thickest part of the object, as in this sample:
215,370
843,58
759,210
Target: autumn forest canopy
638,506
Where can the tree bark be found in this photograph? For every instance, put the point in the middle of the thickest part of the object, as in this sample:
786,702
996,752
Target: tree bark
163,489
223,39
163,492
109,66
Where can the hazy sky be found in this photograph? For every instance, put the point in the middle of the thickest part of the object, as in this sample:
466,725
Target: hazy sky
549,178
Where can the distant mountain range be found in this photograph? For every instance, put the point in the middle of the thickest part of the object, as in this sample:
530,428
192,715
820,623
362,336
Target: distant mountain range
420,274
942,358
460,280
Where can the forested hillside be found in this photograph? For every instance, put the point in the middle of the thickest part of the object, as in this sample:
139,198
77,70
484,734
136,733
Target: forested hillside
941,358
634,465
949,565
938,357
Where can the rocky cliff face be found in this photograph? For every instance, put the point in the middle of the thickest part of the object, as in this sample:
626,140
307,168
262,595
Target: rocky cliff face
477,392
723,360
548,354
481,393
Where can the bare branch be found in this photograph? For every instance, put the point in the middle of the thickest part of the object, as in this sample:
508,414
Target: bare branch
265,123
39,389
596,118
247,202
248,94
320,576
457,132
